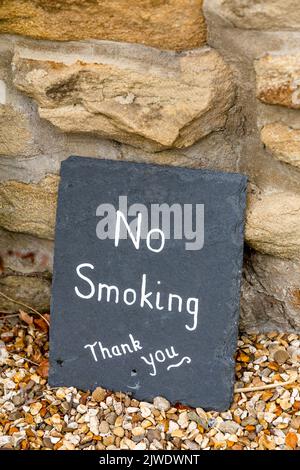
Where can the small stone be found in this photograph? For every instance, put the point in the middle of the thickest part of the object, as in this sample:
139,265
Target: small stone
183,421
108,440
177,433
119,432
72,438
146,423
111,418
285,404
99,394
103,427
132,409
140,446
198,419
35,408
72,425
18,399
94,425
60,393
138,431
4,440
281,356
269,417
82,409
192,445
230,427
161,403
47,442
295,422
118,408
153,434
145,412
55,419
249,421
172,426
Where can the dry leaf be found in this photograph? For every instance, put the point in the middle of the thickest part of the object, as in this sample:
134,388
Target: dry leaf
25,317
84,398
43,369
180,406
41,324
291,440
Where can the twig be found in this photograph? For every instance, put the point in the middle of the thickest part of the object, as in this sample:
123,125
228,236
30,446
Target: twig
26,306
21,357
9,316
263,387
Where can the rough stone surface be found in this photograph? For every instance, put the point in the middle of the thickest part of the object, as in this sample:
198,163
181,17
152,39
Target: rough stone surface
172,104
33,290
242,32
273,224
270,293
174,24
15,135
25,254
278,79
260,14
283,142
29,208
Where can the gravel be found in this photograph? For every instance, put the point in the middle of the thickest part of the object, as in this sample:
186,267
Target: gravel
35,416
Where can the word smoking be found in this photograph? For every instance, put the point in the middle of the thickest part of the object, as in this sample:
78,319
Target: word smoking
140,295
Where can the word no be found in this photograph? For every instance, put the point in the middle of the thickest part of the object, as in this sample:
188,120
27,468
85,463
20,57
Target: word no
187,223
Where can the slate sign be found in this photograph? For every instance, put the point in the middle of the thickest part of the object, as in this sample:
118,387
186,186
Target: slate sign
146,280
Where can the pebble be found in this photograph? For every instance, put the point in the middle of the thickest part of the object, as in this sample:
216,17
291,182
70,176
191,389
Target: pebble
161,404
138,431
94,425
140,446
35,408
230,427
191,445
172,426
183,420
281,356
99,394
82,409
34,416
153,434
119,432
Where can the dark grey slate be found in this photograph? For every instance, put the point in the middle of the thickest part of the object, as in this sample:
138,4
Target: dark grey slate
211,274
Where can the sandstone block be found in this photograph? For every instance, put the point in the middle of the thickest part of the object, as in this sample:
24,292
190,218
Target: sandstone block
172,104
15,135
24,253
32,290
283,142
273,224
278,80
269,15
173,24
29,208
270,297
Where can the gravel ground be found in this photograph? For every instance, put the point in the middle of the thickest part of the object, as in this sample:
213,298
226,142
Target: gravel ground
35,416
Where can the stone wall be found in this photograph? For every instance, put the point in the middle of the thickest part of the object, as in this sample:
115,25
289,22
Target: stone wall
181,82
